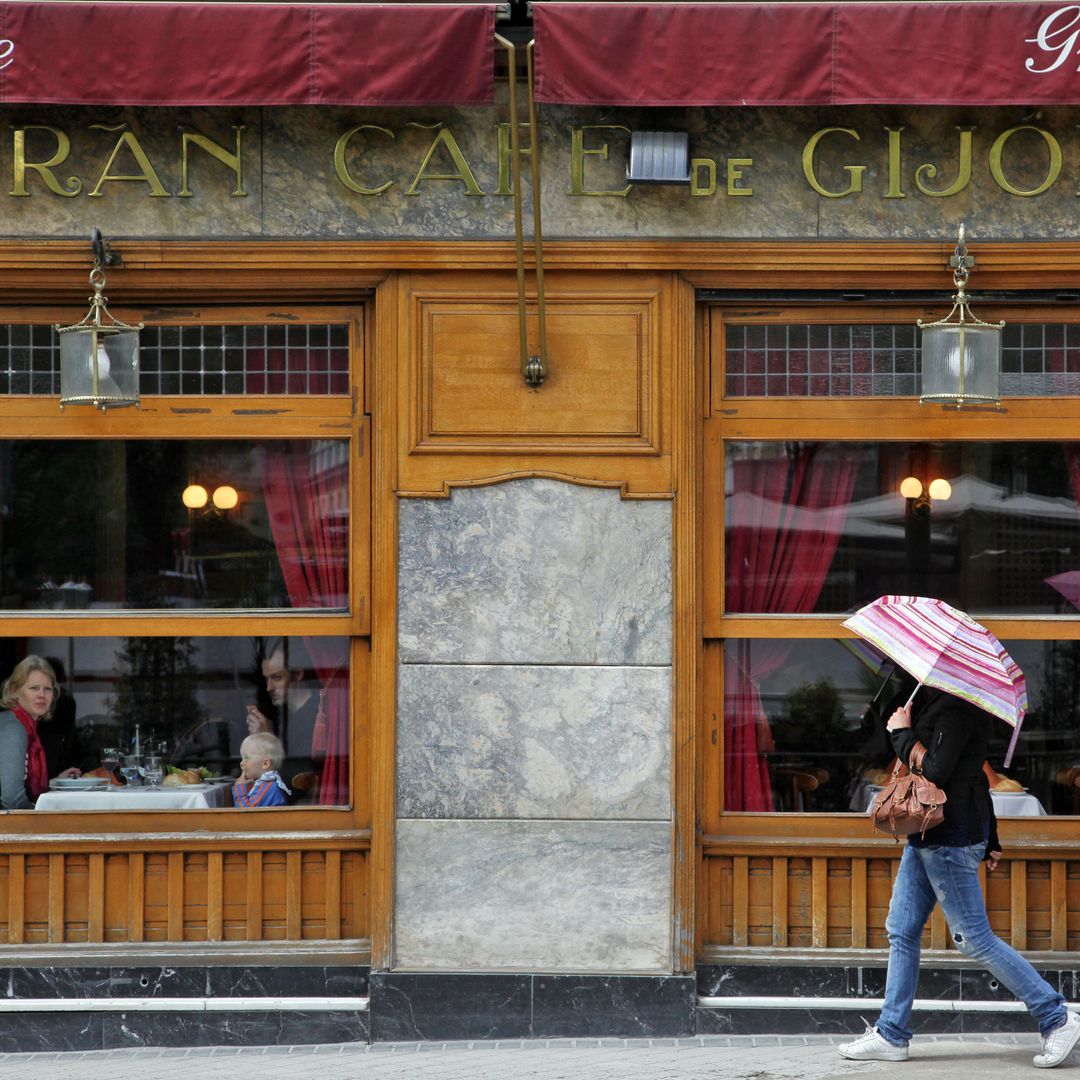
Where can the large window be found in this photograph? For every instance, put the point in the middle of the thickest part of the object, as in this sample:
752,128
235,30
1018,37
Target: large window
194,572
820,507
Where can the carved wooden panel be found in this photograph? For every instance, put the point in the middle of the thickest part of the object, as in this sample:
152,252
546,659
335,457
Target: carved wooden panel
172,892
602,415
766,895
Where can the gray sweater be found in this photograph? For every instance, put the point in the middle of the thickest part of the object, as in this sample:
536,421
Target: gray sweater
13,742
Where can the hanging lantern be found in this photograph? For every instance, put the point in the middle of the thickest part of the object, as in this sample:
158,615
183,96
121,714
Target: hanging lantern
99,361
961,355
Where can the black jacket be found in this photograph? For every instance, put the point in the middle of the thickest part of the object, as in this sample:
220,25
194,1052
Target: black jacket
956,735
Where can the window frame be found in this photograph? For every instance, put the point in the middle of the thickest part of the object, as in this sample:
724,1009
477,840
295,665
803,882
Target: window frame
221,417
870,419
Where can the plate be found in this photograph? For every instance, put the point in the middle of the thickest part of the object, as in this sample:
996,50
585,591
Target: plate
219,780
84,783
1022,791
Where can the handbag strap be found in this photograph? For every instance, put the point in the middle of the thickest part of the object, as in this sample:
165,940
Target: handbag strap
918,753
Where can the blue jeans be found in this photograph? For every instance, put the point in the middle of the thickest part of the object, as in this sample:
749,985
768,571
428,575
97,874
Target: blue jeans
949,876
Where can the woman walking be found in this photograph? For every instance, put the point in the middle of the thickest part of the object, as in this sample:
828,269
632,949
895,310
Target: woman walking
942,868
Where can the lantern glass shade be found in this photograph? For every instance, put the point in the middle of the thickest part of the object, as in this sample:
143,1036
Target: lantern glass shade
960,364
99,366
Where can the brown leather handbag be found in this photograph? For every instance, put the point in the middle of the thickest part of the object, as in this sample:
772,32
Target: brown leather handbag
908,803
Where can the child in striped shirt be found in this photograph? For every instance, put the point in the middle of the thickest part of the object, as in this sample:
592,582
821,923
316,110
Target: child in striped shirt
261,756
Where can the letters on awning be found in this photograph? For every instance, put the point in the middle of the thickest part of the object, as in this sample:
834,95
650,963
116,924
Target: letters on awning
246,54
959,53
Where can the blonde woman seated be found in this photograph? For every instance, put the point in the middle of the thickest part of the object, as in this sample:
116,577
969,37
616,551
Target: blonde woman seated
28,696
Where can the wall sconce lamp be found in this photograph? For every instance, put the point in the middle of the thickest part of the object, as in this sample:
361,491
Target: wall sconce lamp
911,488
659,157
196,497
99,361
961,357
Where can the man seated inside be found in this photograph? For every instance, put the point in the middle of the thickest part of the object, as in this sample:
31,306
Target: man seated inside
296,701
260,783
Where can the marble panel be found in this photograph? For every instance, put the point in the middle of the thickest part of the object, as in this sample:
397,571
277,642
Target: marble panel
29,1033
535,571
562,896
59,982
233,1029
533,742
406,1006
158,982
635,1007
288,981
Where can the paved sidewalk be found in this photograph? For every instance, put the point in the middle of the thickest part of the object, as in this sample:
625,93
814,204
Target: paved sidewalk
970,1057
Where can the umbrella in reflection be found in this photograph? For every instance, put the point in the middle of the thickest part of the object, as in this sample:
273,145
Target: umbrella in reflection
1068,584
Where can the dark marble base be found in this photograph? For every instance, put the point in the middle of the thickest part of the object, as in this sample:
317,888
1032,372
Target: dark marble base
849,982
408,1007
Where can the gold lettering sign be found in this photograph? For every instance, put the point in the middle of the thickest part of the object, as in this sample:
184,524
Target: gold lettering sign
735,166
697,186
147,175
963,172
578,153
1052,172
854,171
464,173
44,169
341,169
894,191
233,160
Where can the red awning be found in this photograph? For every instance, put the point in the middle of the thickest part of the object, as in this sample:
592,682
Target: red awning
246,54
959,53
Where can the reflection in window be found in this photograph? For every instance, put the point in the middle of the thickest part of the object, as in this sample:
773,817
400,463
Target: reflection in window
816,527
193,700
804,726
173,524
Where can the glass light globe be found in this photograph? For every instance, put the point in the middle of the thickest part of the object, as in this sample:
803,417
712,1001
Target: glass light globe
911,487
940,489
225,497
194,496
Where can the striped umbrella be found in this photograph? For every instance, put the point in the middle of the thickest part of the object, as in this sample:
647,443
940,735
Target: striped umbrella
945,648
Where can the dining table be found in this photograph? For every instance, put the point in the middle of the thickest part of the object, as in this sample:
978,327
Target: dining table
138,797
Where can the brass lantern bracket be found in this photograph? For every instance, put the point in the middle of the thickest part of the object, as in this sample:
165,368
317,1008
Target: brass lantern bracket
534,367
961,263
103,252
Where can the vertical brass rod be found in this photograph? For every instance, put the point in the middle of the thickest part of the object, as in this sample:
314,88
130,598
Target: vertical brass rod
515,173
538,239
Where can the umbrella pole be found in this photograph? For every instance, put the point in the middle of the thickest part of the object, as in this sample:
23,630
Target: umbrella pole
907,704
1012,743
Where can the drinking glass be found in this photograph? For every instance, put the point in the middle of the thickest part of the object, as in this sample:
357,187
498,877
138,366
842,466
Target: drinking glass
110,757
129,767
153,770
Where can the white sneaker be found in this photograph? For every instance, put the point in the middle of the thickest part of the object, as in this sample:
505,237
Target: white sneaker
1058,1045
873,1046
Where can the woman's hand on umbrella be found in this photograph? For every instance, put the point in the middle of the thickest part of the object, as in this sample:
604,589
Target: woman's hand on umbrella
900,719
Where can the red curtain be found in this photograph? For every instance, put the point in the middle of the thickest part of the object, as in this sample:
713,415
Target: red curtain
786,515
302,484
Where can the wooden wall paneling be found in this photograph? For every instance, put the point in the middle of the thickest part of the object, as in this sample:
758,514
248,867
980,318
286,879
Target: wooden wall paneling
16,898
710,739
57,889
95,888
859,904
136,896
740,901
603,415
1059,907
677,321
293,897
819,907
1018,908
779,902
254,928
392,337
174,877
332,895
215,896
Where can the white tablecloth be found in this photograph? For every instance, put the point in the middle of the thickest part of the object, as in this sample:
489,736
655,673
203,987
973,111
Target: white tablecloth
189,797
1022,804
